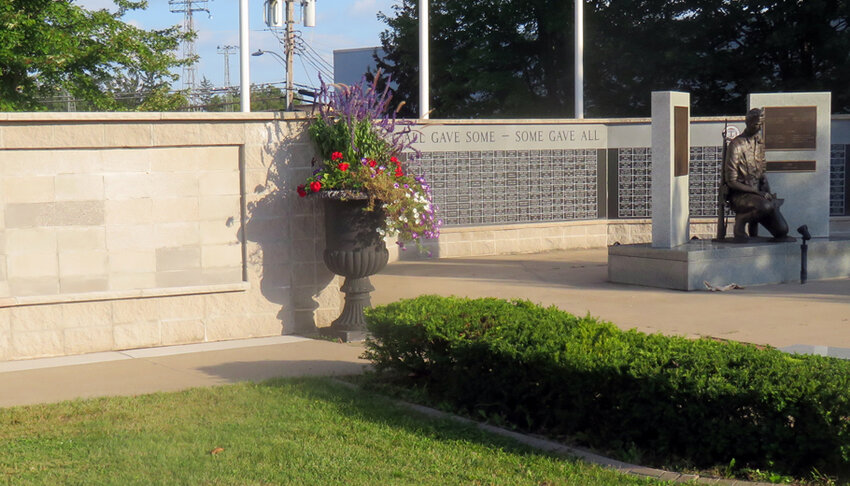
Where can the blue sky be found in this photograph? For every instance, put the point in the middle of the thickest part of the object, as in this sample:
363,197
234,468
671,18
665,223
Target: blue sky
340,24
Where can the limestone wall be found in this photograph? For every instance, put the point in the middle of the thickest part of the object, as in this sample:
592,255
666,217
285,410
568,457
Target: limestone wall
127,230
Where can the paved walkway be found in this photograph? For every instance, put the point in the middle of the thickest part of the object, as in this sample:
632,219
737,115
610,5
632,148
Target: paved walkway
173,368
817,313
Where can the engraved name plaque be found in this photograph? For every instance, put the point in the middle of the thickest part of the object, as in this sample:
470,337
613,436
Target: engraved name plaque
681,151
791,166
790,127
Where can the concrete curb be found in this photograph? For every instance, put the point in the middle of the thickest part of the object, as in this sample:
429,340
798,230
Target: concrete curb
564,450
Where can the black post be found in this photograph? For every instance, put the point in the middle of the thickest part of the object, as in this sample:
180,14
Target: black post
804,253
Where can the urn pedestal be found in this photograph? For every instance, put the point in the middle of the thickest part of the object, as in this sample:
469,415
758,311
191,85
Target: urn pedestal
354,250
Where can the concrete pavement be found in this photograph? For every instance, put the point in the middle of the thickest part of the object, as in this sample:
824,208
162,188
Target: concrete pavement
172,368
816,314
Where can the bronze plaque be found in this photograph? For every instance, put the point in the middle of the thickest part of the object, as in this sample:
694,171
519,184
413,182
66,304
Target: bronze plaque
791,166
680,141
790,127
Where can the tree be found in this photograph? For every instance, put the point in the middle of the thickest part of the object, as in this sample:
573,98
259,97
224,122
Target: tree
50,47
488,57
515,58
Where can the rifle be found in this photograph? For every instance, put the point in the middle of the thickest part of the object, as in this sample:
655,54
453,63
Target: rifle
723,192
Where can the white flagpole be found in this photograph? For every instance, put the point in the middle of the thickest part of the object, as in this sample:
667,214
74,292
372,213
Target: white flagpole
579,61
423,60
244,51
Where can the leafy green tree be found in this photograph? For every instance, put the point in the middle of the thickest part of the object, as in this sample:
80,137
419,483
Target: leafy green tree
488,57
515,57
50,47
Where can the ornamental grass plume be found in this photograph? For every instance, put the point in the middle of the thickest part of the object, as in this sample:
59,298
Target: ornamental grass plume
361,147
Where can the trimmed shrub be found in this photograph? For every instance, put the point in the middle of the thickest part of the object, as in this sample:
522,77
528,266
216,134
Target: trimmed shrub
695,402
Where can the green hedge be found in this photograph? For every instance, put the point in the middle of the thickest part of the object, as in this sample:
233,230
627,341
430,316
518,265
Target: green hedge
696,402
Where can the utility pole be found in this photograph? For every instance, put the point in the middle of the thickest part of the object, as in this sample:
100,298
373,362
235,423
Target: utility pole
190,71
226,51
273,15
290,50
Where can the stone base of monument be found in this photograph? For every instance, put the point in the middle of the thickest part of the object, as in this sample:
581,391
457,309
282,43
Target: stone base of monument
689,266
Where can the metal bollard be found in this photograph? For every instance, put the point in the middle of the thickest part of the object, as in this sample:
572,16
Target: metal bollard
804,253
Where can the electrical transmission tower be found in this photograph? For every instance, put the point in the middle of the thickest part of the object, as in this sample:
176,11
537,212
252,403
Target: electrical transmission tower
190,71
226,51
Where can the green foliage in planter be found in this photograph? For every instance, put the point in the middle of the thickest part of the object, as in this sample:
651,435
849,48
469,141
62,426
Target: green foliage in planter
695,402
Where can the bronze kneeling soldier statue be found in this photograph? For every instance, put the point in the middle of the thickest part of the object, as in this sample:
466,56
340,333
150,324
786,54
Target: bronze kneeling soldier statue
744,186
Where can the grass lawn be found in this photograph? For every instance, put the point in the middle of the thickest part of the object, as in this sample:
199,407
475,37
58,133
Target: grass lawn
305,431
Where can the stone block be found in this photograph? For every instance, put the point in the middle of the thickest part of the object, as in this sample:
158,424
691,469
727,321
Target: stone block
28,189
69,213
179,278
127,134
30,240
78,135
177,234
85,314
182,331
237,326
80,238
6,319
130,281
213,256
83,284
219,183
174,185
87,339
175,160
70,161
132,261
175,134
179,258
219,208
78,187
130,237
227,327
129,185
127,311
177,209
219,232
128,211
34,318
33,265
138,161
5,345
37,344
83,263
79,213
138,334
26,136
20,287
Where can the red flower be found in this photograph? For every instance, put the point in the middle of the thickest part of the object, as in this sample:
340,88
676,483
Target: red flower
398,172
394,160
315,186
301,191
336,155
372,163
343,166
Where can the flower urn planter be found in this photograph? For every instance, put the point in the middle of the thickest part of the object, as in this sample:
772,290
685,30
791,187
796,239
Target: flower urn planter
354,250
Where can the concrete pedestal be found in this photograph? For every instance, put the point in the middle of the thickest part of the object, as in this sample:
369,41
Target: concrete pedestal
688,266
